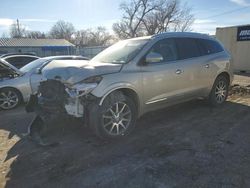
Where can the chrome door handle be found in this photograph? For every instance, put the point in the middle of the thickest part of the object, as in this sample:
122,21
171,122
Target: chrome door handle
178,71
207,66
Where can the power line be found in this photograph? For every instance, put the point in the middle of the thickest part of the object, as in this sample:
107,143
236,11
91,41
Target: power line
227,12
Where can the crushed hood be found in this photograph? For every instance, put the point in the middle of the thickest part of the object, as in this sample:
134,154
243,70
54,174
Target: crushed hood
74,71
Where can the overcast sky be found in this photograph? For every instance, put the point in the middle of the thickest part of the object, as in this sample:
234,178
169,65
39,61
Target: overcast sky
40,15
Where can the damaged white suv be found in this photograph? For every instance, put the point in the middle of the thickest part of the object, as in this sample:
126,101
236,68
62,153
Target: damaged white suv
133,77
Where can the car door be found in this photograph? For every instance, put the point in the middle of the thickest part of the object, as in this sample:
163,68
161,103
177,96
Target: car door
210,50
192,63
163,81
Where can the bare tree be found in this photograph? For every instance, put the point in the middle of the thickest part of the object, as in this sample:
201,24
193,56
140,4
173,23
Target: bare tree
100,36
35,35
17,30
148,17
170,16
186,19
134,13
93,37
81,38
62,30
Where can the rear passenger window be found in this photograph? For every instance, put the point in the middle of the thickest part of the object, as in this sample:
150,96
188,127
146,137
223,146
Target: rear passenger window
166,48
209,46
187,48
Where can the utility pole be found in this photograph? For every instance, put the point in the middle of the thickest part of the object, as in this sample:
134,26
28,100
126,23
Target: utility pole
18,28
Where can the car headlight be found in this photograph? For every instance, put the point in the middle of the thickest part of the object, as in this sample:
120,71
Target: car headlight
84,87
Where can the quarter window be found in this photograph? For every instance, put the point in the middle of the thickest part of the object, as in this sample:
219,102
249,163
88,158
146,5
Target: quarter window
209,46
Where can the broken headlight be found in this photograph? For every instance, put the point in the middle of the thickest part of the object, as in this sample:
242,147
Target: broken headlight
84,87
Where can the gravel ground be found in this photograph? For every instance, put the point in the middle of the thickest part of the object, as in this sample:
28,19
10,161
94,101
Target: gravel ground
242,79
188,145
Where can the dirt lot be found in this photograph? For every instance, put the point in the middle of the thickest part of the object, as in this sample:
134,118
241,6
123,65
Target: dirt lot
189,145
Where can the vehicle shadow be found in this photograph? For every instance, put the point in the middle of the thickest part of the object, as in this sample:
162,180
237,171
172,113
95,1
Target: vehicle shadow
186,145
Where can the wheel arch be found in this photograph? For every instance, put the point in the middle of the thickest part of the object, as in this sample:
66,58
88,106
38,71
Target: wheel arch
225,74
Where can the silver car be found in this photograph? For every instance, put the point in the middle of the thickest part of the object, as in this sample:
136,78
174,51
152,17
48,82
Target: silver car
16,85
133,77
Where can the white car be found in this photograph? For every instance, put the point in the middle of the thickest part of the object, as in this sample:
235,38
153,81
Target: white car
16,85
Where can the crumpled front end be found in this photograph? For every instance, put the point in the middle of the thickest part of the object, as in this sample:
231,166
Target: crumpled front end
68,86
50,100
55,99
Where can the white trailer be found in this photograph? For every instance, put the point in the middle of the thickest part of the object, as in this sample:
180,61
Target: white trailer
236,40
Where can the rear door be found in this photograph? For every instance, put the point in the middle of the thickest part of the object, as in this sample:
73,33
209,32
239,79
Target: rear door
210,51
190,63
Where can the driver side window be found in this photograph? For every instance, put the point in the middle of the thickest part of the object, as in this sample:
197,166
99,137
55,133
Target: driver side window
166,48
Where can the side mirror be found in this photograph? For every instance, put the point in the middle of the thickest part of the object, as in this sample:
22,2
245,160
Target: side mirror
153,57
38,71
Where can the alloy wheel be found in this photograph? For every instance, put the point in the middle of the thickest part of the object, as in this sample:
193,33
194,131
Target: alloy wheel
116,119
8,99
221,91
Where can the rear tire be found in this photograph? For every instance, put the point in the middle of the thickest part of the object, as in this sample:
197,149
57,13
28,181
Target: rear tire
219,92
115,118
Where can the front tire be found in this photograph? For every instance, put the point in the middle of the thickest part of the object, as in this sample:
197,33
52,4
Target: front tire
219,92
115,118
9,98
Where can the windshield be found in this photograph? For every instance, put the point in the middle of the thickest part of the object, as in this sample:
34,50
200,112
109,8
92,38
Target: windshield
34,64
121,52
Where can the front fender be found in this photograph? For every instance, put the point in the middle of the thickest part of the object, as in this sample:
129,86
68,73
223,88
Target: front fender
103,93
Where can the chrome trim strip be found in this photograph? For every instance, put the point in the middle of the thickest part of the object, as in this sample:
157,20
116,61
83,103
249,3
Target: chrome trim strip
158,100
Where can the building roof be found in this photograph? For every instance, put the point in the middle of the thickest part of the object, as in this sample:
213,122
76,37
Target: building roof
233,26
23,42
